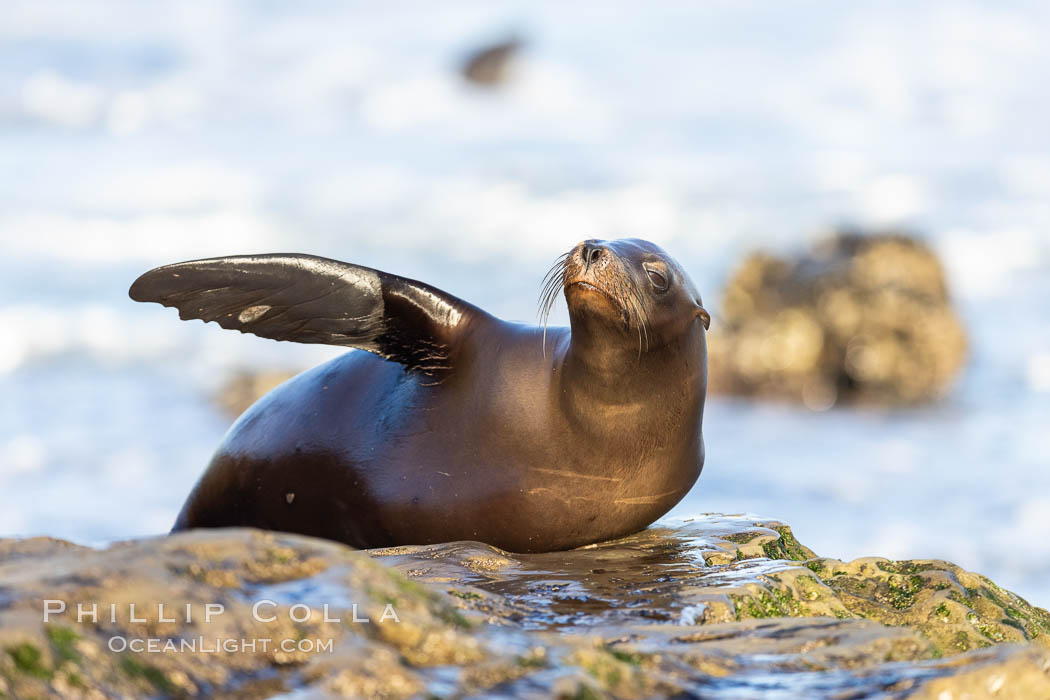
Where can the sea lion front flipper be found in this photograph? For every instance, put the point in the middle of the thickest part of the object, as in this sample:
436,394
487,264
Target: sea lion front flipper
307,299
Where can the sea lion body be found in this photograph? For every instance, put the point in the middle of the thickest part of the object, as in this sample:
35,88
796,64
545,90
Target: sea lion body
526,439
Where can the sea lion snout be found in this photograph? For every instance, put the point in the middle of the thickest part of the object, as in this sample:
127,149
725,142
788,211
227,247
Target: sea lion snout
591,252
591,262
592,270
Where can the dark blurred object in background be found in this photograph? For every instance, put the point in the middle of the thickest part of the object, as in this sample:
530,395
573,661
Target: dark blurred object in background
491,65
860,318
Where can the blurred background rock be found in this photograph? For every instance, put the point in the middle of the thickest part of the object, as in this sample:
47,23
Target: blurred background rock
244,387
859,318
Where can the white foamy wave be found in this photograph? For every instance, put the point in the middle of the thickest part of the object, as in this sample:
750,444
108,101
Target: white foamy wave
23,454
196,185
478,216
38,334
1039,372
984,264
35,332
149,237
545,97
893,199
53,98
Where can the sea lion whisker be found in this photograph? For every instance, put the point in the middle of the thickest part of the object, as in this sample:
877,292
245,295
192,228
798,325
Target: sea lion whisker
631,311
546,311
643,317
553,282
550,283
645,324
621,301
546,300
636,319
558,265
550,280
643,331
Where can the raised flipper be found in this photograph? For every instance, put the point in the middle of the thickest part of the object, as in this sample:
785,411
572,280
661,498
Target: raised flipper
307,299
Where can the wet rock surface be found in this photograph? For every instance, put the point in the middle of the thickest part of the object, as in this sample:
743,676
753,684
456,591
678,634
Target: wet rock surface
860,318
718,606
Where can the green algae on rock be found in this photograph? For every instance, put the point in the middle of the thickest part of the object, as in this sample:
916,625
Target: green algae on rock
688,607
955,609
722,568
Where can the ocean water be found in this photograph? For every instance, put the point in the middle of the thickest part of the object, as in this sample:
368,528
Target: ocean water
134,134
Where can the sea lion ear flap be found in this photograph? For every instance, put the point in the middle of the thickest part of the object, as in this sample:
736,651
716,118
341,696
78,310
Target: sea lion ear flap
702,314
307,299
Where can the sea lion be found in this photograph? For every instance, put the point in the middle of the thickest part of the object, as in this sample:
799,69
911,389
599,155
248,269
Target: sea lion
454,424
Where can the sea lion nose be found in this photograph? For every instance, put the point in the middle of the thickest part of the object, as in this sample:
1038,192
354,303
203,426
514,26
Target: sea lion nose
592,252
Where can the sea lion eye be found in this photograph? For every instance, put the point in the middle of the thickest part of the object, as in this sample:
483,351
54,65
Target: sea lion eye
658,278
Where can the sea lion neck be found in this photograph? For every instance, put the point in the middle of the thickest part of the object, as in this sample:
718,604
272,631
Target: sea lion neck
605,363
599,352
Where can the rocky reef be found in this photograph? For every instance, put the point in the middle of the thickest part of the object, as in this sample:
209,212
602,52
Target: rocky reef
860,318
716,606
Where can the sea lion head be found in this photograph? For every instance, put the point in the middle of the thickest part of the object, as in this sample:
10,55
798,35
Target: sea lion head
628,286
